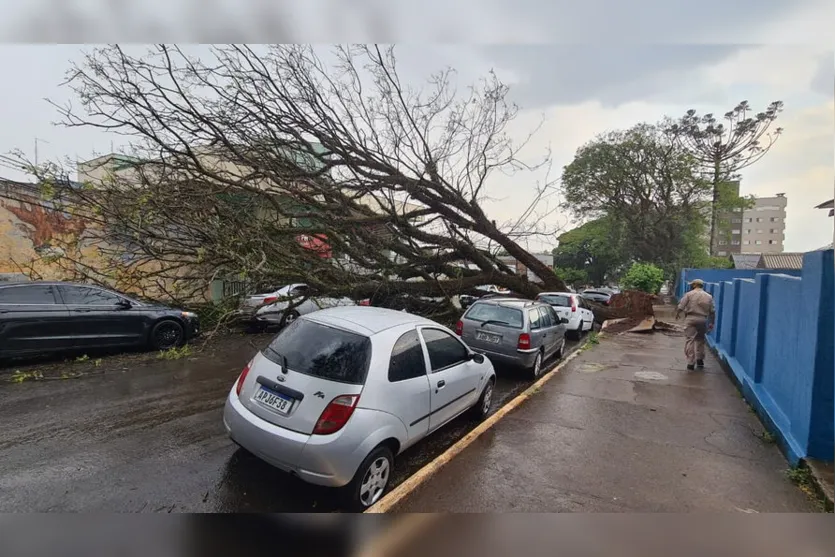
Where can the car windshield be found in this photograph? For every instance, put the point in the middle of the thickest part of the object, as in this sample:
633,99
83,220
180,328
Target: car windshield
495,314
322,351
556,300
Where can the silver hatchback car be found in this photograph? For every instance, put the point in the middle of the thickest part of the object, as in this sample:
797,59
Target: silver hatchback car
339,392
521,333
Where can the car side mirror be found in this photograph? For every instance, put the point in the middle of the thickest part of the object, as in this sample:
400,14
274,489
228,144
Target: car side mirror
124,304
477,358
564,320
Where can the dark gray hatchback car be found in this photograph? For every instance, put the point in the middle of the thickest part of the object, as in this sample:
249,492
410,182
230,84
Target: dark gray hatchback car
515,332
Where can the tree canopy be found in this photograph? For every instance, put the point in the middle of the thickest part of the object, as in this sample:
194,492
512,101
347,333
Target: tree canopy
588,253
648,189
234,157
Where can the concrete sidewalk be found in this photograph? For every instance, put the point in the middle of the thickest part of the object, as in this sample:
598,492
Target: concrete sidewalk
621,428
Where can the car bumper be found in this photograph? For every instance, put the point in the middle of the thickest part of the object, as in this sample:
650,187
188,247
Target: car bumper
517,359
319,459
192,327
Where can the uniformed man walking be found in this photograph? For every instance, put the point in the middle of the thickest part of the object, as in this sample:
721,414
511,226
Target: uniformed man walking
699,314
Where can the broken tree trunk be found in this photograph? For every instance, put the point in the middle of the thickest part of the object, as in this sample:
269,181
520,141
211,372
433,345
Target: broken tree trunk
629,304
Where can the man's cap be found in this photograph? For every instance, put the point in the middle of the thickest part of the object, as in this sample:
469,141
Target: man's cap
697,282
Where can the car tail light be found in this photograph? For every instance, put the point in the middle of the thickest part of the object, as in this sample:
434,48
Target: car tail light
459,328
524,341
573,305
242,378
366,302
336,414
269,299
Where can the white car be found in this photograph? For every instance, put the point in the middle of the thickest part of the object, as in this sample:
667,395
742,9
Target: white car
339,392
272,306
573,307
492,289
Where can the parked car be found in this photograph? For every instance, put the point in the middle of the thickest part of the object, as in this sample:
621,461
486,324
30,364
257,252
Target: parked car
489,291
267,310
38,317
598,295
571,307
520,333
340,392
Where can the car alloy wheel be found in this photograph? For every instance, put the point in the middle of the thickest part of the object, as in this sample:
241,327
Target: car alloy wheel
374,481
291,316
537,365
487,398
167,335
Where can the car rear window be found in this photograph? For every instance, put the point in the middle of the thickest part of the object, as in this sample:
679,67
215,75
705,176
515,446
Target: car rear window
498,314
556,300
322,351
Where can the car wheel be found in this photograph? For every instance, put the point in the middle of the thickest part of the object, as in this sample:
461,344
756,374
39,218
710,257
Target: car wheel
559,353
291,316
166,335
536,369
371,479
578,333
482,407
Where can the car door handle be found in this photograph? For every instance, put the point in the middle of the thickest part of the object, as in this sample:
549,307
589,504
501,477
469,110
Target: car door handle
441,384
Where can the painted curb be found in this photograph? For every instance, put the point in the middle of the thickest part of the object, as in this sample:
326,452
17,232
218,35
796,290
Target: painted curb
395,496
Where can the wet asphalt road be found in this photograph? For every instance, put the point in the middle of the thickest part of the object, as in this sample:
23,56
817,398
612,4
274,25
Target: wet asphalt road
146,436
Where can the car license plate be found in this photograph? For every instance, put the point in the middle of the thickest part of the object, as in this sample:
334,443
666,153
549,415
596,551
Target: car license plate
275,401
493,339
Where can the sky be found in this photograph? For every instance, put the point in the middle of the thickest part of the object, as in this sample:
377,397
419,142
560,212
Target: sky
574,86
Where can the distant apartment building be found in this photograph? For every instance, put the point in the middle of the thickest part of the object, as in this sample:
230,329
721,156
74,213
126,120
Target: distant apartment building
760,229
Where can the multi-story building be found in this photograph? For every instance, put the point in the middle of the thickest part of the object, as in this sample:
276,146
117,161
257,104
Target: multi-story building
759,229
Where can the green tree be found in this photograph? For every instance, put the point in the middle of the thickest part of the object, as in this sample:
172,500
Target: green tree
593,248
572,276
648,188
723,149
645,277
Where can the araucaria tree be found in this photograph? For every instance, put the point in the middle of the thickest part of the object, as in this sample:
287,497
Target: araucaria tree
238,153
722,149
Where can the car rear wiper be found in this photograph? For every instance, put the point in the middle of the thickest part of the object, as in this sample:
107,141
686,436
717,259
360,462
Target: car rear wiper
283,359
495,322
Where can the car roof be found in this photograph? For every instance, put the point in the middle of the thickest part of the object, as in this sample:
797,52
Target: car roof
517,303
49,283
557,294
366,320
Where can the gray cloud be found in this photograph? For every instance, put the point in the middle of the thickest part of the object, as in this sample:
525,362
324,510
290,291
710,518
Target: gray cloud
565,74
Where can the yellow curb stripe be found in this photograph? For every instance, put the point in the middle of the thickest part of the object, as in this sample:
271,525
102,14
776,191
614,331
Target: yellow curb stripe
390,501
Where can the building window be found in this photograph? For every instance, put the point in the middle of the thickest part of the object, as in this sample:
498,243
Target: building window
760,231
737,209
737,231
774,231
775,219
723,242
748,219
736,220
735,242
758,242
722,253
748,231
759,219
772,242
747,242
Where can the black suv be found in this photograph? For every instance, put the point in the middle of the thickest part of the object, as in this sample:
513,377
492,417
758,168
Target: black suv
39,317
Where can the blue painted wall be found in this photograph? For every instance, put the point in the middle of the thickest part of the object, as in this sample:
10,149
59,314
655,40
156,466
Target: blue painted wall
722,275
777,334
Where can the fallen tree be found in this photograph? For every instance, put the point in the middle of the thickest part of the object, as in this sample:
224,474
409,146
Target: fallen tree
235,156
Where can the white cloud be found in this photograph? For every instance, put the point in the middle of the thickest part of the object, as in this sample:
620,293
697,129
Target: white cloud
789,69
